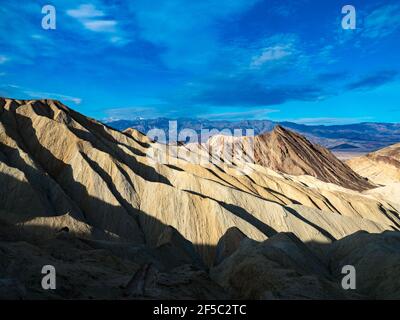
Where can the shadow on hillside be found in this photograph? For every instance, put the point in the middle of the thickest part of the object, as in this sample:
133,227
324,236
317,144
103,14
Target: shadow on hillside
119,220
74,260
133,226
97,137
313,225
61,246
92,269
52,173
98,129
241,213
16,221
62,173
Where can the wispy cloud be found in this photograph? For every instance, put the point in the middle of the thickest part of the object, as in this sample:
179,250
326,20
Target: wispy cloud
235,115
101,25
201,56
85,11
16,91
373,81
374,23
271,54
95,20
382,21
327,120
49,95
186,29
275,51
246,92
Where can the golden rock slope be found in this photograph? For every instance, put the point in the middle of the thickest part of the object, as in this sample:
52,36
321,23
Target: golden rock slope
61,169
381,167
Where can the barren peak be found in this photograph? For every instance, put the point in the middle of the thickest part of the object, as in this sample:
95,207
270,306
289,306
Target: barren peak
279,128
283,132
29,101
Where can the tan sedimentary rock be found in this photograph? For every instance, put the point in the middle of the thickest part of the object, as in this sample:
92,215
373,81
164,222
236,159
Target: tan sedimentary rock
94,202
381,167
59,163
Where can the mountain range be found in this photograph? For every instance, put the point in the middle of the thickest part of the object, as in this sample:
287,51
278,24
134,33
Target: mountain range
360,137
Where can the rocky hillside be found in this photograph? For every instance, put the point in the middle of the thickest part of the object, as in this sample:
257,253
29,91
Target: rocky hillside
380,167
93,202
285,151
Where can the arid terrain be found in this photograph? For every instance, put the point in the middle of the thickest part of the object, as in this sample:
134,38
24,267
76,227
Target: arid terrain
117,224
381,167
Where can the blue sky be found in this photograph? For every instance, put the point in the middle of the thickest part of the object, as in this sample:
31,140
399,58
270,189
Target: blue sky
214,59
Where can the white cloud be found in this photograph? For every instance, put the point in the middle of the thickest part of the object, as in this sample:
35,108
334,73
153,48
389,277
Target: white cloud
101,25
48,95
95,20
91,18
275,51
85,11
271,54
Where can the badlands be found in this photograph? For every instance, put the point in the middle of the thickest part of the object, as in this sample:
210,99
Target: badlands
116,224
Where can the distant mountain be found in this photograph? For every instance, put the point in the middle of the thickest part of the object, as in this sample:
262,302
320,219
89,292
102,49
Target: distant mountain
259,126
285,151
344,146
365,137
